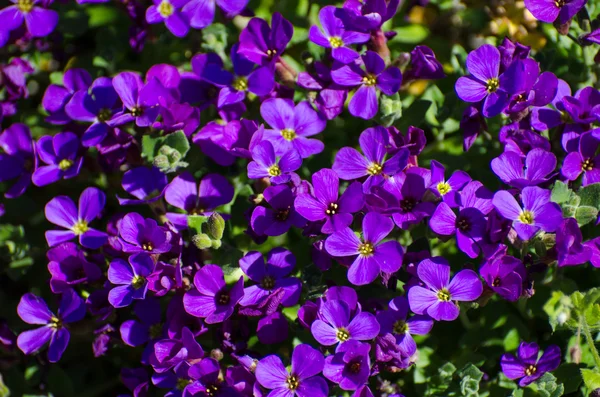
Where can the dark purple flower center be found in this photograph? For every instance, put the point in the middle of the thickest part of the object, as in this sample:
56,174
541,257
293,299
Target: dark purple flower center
196,211
137,281
369,80
587,165
137,111
240,84
155,331
104,115
530,370
497,282
342,334
400,327
292,382
25,6
268,283
366,249
212,390
55,323
492,85
282,214
223,298
147,246
443,295
407,204
463,223
354,367
65,164
332,209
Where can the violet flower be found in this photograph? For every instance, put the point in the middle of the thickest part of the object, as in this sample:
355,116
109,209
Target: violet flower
505,275
211,299
129,278
302,380
56,97
448,189
265,163
538,212
350,366
33,310
325,203
334,36
145,184
149,326
39,21
18,160
61,211
549,11
336,324
376,76
371,255
140,101
291,126
583,161
168,11
60,153
143,235
201,13
539,165
439,296
213,191
68,267
281,217
526,365
270,276
262,44
569,248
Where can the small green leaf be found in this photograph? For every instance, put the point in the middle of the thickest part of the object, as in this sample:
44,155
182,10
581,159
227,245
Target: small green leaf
561,192
195,222
178,141
586,214
591,378
590,195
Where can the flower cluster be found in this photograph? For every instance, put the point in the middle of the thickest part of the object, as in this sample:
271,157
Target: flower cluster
215,213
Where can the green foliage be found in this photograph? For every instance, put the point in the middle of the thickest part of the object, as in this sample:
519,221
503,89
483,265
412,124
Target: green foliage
583,205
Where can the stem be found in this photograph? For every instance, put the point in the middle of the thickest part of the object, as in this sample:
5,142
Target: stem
379,45
590,341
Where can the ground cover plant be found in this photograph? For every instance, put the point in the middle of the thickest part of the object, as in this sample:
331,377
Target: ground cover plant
298,197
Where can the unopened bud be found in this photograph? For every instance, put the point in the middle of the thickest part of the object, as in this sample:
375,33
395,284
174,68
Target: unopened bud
216,226
202,241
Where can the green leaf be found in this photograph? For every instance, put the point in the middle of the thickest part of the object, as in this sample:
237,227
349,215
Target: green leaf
569,211
178,141
411,34
4,391
586,214
591,378
195,223
549,387
511,340
215,39
561,193
590,195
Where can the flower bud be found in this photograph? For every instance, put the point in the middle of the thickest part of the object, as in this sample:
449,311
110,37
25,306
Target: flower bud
202,241
216,226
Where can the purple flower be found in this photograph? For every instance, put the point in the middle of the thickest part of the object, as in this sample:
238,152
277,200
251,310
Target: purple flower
18,159
394,321
60,153
505,276
438,297
177,352
372,256
470,223
449,189
350,366
130,278
68,266
568,244
291,126
538,212
213,191
259,81
178,116
544,118
61,211
202,12
140,101
334,36
136,333
424,65
270,276
167,11
336,324
276,220
143,235
376,76
272,329
301,380
539,165
324,203
207,383
57,97
349,164
96,107
33,310
484,83
549,10
143,183
526,365
262,44
265,163
583,160
522,79
39,21
211,299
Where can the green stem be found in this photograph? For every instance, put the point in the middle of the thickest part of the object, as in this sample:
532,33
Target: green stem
590,341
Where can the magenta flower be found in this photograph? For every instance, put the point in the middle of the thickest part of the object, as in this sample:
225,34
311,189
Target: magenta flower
372,256
302,380
336,323
538,212
130,278
583,161
439,295
262,44
505,276
211,299
61,211
350,366
376,76
33,310
526,365
138,234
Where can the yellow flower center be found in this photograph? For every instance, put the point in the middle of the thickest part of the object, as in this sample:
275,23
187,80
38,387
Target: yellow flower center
137,281
443,188
148,246
342,334
366,249
335,42
274,170
560,3
332,209
293,382
530,370
25,6
212,390
55,323
80,227
526,217
165,9
240,84
65,164
288,134
137,111
492,85
369,80
223,298
587,165
443,295
271,53
104,115
374,169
